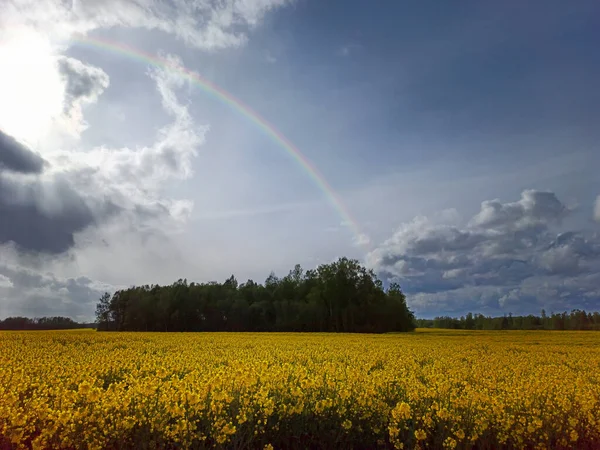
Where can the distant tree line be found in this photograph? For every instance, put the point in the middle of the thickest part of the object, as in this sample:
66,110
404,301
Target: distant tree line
43,323
575,320
339,297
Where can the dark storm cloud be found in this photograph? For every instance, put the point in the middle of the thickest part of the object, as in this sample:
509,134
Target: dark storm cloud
507,256
41,213
44,215
16,157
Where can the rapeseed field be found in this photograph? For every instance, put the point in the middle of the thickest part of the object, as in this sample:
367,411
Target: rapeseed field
428,389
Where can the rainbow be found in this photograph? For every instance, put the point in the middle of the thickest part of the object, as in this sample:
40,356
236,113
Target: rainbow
225,97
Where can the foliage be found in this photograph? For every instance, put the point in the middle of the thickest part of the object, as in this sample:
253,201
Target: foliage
43,323
339,297
575,320
429,389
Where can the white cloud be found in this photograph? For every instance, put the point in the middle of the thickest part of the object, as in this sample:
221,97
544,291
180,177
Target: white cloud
5,282
203,24
597,209
83,84
141,171
507,257
534,208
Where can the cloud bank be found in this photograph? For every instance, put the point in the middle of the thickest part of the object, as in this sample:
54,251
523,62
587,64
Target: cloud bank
107,212
74,210
79,207
203,24
508,257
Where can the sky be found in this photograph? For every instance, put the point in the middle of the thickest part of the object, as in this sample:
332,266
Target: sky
453,148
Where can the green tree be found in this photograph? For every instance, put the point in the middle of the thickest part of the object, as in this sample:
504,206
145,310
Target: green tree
103,311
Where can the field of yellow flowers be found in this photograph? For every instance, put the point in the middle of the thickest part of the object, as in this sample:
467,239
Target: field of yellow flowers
428,389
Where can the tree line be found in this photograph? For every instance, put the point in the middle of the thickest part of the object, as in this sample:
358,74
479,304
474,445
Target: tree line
42,323
575,320
342,296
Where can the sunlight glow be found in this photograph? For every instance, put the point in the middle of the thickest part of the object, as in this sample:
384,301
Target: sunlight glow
31,89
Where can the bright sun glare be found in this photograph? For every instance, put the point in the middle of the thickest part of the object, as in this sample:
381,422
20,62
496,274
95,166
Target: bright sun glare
31,90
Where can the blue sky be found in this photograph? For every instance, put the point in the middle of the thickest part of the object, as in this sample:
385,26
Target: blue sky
461,138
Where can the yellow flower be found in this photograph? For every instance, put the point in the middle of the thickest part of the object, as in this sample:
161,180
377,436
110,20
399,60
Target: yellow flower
87,389
420,435
402,411
449,443
573,436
